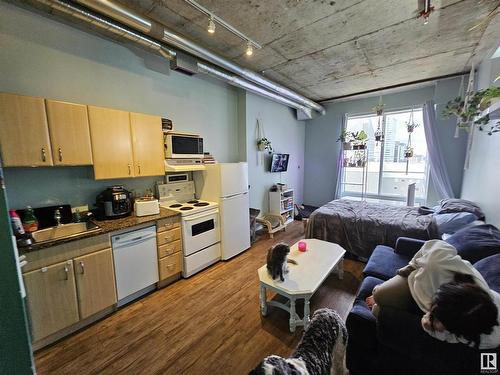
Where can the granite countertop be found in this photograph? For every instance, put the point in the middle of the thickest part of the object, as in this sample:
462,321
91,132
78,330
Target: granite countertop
105,226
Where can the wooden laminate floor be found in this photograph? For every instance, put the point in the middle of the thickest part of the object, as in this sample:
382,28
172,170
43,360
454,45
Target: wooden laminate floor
207,324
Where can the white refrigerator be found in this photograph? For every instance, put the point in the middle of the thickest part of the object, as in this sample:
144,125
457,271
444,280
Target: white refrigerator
227,184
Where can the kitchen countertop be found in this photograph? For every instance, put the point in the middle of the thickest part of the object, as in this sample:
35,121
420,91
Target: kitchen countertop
106,226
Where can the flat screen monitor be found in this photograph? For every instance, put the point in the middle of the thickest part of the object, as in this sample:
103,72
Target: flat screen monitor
279,162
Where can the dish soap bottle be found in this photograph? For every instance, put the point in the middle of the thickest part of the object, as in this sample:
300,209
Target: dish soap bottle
30,222
17,226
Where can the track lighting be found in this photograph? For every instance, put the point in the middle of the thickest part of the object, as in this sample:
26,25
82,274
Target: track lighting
211,25
249,51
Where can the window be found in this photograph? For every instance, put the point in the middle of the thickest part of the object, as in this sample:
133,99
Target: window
387,173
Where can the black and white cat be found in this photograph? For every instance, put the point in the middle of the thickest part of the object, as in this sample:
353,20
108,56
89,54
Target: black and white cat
321,351
277,259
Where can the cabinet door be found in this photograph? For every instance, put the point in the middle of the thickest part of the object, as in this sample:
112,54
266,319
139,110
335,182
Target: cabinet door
95,282
111,143
147,141
51,299
69,133
24,135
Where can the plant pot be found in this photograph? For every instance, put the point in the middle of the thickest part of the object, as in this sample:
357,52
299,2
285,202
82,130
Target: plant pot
359,163
410,128
378,138
347,145
362,146
261,146
408,154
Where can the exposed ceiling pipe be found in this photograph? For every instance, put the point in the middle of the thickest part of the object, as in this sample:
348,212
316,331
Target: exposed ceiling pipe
168,53
135,20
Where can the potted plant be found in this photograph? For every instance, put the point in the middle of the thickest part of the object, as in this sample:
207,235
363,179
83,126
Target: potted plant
409,152
379,136
264,144
410,126
360,140
346,138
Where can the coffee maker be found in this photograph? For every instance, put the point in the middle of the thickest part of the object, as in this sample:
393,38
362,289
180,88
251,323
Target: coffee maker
113,203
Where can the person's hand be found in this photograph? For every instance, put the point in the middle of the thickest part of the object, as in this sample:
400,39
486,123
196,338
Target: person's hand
405,271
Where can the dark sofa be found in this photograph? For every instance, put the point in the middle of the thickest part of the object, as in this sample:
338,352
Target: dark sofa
395,343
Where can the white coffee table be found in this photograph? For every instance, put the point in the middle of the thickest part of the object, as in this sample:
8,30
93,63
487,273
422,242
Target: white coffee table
314,265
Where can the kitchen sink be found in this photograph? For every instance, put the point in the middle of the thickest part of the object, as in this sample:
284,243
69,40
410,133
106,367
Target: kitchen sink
64,231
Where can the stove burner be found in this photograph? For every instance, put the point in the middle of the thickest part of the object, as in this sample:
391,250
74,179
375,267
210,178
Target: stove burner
176,205
201,204
185,208
193,201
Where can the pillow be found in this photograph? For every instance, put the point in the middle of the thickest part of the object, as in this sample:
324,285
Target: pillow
450,223
460,205
476,242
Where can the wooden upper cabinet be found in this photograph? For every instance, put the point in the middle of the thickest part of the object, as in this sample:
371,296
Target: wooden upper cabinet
51,299
24,134
69,133
147,143
95,281
111,143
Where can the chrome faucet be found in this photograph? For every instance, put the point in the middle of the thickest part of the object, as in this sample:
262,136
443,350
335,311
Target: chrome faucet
57,217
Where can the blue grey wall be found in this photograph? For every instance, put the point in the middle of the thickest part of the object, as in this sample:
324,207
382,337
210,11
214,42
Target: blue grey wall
481,181
287,135
42,57
322,132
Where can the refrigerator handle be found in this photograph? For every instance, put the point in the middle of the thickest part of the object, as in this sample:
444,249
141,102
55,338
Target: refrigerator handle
233,195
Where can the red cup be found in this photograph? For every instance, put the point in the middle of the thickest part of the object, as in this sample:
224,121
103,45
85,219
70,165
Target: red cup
302,246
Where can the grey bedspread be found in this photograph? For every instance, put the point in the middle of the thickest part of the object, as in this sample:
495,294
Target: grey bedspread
359,226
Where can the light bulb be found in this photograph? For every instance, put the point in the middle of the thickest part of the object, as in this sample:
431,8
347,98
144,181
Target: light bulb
249,50
211,26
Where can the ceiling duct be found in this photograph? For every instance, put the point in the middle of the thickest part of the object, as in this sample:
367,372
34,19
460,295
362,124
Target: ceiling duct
184,64
103,23
135,20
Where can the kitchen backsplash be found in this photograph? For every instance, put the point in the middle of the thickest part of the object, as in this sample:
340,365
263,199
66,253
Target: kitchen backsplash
40,187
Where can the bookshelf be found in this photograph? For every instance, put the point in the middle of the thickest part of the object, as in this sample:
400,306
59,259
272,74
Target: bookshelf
282,203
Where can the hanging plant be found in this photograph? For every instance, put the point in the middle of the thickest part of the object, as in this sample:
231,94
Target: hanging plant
411,124
379,136
379,108
408,152
360,139
470,114
264,144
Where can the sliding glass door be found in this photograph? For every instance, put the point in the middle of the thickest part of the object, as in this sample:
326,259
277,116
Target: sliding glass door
388,171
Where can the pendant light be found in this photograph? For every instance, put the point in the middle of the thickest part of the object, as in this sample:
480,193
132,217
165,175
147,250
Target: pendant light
249,51
211,26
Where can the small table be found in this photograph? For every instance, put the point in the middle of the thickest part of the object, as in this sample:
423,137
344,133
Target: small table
304,278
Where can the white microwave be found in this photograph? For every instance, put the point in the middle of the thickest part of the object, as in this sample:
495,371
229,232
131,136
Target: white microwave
183,145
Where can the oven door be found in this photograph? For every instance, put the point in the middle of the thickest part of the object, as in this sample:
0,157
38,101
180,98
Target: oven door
184,146
200,231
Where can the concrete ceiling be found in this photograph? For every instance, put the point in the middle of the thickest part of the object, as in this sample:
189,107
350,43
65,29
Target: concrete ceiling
326,49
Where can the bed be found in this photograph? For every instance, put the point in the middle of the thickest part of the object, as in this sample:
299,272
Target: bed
359,226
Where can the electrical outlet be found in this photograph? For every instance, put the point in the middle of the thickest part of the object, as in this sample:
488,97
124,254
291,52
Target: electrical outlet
84,208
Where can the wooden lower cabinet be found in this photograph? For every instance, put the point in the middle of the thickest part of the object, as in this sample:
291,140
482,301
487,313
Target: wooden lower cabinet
51,296
95,282
170,265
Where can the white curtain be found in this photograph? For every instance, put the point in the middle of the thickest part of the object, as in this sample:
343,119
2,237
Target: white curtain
340,162
438,171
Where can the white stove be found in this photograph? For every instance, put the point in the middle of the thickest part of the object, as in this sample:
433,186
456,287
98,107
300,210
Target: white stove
180,197
200,225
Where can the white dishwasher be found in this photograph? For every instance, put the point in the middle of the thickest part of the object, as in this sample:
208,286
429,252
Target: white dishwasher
136,263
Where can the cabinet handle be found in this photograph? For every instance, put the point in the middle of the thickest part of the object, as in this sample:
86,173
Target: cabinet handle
170,266
44,155
66,270
60,154
129,170
139,167
82,266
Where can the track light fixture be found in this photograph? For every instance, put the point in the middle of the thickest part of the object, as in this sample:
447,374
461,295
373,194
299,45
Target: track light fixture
214,19
249,51
211,26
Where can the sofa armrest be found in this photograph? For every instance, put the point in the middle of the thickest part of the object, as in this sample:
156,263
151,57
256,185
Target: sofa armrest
408,246
401,331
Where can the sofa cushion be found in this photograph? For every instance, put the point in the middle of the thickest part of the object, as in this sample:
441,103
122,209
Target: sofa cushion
384,263
490,269
476,242
460,205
